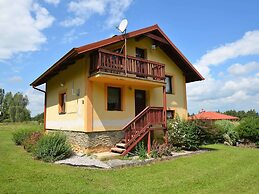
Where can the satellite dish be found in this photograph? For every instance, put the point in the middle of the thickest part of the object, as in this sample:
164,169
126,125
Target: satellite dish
123,25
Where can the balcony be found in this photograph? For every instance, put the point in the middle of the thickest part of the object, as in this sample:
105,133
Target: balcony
108,62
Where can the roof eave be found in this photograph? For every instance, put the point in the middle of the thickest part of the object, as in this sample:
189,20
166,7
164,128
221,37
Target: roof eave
69,54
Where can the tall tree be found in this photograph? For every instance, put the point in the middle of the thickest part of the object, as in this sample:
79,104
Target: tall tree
14,107
2,94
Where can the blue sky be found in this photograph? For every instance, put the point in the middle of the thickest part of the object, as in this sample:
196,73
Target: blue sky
221,38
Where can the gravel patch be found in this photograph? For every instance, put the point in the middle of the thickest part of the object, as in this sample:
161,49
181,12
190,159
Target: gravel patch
84,161
88,161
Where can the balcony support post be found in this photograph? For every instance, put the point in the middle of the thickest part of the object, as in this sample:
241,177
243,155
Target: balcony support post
149,142
164,115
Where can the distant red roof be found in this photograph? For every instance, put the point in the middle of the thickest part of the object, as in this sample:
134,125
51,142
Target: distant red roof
212,116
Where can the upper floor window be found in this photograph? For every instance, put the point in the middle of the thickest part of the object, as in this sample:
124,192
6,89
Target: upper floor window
140,53
114,98
62,103
169,85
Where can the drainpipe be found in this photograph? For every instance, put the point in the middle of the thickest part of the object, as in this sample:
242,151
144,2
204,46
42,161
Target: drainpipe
45,103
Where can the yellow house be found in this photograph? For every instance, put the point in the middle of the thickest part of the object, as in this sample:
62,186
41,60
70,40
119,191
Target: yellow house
118,90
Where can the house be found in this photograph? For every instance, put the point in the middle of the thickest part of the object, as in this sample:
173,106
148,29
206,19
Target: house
104,93
211,117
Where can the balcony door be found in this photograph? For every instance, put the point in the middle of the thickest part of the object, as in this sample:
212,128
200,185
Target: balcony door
140,101
140,53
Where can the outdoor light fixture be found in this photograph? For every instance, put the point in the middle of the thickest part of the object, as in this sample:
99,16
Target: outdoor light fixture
153,47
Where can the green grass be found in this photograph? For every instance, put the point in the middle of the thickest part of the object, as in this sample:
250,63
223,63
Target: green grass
224,170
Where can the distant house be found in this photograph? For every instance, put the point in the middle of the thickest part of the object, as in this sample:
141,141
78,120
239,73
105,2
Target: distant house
212,117
104,93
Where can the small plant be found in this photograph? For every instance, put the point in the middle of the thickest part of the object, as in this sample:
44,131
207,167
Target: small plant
52,147
20,136
257,144
141,150
159,150
30,142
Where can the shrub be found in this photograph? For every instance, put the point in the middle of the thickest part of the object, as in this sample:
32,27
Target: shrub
141,151
185,134
249,129
52,147
228,131
257,144
30,142
20,136
159,150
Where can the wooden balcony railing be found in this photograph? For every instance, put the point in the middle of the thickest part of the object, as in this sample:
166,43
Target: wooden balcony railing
110,62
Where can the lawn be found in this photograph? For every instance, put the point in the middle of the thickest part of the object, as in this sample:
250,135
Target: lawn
224,170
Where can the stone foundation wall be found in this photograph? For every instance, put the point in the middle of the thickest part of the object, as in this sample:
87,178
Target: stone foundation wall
92,139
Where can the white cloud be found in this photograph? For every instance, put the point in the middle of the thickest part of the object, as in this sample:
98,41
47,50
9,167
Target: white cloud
21,25
237,88
54,2
36,101
239,69
15,79
84,9
247,45
72,35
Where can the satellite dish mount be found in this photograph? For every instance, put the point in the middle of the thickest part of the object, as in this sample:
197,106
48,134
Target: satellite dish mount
123,28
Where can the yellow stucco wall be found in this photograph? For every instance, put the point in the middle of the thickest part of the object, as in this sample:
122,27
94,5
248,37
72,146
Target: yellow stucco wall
72,79
175,101
88,112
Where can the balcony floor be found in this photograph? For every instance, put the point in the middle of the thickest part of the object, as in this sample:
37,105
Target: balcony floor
123,79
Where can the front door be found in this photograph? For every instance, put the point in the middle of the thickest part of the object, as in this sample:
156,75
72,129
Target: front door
140,101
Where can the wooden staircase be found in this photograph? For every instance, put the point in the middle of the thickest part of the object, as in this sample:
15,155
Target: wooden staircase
149,119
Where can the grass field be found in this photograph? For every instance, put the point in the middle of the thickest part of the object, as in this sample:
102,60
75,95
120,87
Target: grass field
224,170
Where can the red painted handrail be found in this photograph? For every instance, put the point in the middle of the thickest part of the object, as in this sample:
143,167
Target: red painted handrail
111,62
141,124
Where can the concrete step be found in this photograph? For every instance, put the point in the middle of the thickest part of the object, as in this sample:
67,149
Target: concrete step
121,145
117,150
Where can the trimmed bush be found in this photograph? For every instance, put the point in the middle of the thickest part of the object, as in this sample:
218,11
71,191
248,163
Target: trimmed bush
184,134
249,129
52,147
20,136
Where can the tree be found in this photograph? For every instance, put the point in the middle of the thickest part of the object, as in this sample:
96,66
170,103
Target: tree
2,94
14,107
39,118
7,104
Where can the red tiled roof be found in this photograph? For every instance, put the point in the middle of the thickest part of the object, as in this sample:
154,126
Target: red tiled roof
212,116
190,72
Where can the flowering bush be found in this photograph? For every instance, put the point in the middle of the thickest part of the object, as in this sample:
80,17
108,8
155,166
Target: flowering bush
184,134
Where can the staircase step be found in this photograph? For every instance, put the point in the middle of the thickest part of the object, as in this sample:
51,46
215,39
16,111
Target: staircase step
121,145
117,150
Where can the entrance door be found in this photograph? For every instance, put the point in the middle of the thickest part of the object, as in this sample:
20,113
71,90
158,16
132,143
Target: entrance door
140,101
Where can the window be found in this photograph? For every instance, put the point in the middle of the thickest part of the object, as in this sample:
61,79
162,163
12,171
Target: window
62,103
114,98
168,81
170,114
140,53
